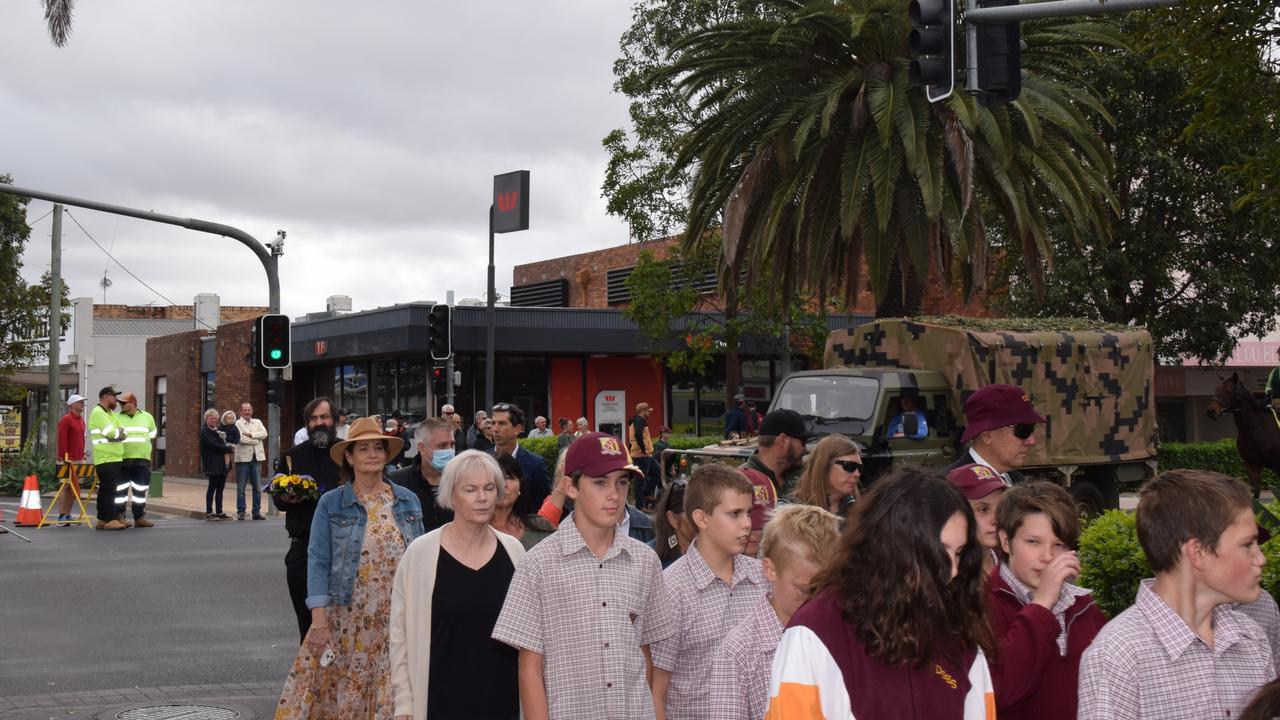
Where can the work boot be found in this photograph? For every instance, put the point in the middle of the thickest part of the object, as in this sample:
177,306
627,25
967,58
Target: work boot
125,522
259,516
109,525
143,522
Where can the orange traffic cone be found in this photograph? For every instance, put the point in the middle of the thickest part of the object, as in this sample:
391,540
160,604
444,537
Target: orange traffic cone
29,511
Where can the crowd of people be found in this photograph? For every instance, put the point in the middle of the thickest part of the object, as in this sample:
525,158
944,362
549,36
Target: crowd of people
473,584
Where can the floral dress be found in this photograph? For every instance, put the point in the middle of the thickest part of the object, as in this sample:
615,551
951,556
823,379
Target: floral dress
357,684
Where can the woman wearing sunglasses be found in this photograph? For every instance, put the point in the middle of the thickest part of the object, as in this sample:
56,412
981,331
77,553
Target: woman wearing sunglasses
831,476
1001,426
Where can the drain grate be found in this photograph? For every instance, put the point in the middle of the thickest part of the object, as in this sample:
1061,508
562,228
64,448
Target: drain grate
179,712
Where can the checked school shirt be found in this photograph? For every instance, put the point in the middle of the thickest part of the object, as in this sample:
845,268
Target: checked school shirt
589,617
740,670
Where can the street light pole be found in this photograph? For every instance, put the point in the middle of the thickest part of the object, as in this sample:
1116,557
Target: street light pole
268,259
488,327
55,329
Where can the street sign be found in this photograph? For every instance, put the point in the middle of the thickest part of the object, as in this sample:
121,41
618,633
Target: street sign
511,202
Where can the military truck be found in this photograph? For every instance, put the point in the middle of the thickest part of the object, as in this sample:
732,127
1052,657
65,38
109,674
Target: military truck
1094,384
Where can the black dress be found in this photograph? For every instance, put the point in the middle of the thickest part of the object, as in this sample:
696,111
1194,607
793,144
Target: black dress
473,676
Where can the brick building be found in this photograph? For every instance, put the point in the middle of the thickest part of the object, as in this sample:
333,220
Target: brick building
190,372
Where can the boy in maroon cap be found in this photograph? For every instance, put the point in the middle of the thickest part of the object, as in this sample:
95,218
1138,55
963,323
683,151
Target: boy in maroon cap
587,603
1001,425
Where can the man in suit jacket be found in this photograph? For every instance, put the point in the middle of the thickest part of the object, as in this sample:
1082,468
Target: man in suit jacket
1002,424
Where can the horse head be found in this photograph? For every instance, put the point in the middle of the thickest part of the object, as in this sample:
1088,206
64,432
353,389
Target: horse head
1230,396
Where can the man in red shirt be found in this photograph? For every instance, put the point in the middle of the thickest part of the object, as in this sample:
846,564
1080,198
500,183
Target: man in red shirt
70,447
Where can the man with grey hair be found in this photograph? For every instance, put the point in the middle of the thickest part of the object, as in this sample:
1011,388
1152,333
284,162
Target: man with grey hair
447,412
540,429
476,433
583,427
435,443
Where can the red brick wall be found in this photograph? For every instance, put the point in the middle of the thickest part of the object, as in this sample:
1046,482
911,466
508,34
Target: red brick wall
177,357
228,313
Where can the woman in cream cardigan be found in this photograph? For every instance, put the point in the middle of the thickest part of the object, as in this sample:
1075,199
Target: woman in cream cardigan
447,593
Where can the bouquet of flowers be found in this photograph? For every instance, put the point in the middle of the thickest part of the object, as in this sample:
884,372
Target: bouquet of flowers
294,487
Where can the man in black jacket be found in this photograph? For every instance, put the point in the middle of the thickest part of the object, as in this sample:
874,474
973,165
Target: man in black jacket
435,442
310,457
1001,430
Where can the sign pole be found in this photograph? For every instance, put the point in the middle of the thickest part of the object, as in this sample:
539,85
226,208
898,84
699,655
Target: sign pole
488,328
55,329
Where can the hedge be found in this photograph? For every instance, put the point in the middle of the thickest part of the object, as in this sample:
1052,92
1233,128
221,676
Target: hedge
1112,562
28,462
1220,456
549,448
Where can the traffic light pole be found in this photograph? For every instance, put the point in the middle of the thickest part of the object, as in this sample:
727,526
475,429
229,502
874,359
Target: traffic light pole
1056,8
488,328
269,259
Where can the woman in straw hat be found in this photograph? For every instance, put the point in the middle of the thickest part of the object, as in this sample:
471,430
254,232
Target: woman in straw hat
359,532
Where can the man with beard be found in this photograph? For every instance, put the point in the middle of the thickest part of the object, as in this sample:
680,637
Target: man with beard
310,457
774,469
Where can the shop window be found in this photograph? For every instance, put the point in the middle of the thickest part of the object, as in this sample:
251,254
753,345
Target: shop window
161,417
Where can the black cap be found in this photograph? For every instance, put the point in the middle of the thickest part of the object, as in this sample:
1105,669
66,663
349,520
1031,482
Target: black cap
785,422
108,390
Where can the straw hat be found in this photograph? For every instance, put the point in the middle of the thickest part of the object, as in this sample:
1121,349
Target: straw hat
365,429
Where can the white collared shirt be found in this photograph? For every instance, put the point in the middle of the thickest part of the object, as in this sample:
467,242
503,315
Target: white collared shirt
979,459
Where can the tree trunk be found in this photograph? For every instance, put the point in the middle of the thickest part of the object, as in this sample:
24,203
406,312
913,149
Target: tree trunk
732,351
905,293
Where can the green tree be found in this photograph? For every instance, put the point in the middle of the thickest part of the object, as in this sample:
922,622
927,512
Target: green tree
1230,52
813,152
1181,260
57,13
23,307
639,185
666,297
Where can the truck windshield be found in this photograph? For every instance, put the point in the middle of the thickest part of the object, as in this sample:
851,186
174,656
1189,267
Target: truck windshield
830,397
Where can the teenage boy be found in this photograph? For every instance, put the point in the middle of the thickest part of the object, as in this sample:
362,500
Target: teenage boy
1043,622
1182,650
587,603
796,541
713,587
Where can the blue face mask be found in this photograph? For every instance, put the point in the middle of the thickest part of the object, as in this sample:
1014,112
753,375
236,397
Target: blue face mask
440,458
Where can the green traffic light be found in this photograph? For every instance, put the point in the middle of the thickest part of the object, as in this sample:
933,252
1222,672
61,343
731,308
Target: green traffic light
277,354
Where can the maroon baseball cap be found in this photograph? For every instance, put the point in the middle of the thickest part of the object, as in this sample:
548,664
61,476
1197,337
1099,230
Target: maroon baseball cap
976,481
597,454
995,406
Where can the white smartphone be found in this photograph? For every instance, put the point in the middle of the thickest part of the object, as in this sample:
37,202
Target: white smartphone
327,657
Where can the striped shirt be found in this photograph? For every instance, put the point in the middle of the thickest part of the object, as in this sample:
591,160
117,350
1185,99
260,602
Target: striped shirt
706,609
589,617
1147,663
740,670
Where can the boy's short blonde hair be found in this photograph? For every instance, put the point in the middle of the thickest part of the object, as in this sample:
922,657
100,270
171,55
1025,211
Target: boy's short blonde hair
799,531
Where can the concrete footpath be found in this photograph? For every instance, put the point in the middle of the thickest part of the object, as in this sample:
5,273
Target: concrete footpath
183,497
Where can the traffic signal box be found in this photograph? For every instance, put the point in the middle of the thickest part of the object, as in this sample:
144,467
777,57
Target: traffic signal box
439,330
999,59
932,44
273,336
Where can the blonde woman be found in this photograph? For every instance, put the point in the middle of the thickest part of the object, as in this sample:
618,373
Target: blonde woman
831,476
445,600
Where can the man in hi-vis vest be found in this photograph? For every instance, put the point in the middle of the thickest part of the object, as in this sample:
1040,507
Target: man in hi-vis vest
106,441
139,431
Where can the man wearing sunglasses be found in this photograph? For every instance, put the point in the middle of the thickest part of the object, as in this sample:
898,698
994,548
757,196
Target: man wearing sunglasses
1001,428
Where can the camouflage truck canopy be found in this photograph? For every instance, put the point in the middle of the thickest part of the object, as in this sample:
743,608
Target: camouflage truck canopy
1095,386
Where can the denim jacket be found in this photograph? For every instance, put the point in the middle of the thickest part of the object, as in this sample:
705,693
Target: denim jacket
337,532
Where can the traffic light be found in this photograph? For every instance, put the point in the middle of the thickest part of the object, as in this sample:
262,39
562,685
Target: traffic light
438,385
999,59
273,341
932,44
438,332
275,392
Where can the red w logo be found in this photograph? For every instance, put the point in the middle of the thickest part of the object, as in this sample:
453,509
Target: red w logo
610,398
507,201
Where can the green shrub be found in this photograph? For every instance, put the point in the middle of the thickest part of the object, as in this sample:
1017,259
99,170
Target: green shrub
1112,562
549,448
1220,456
28,462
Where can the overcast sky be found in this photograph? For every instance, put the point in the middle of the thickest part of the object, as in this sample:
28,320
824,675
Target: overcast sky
370,132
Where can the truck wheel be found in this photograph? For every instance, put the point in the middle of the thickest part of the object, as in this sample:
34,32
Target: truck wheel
1091,501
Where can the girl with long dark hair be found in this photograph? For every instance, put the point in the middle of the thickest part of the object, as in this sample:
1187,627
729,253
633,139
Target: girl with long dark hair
898,626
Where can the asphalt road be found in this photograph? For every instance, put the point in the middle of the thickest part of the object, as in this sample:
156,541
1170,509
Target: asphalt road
186,603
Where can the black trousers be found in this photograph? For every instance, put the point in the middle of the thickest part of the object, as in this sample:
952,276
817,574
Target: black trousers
108,478
295,572
135,477
217,483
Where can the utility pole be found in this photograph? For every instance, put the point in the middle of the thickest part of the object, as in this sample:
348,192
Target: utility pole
448,364
55,329
269,261
488,328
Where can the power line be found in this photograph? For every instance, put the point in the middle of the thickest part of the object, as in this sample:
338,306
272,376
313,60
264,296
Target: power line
33,222
133,275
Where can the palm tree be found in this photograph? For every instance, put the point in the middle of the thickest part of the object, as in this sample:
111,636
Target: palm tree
58,15
816,155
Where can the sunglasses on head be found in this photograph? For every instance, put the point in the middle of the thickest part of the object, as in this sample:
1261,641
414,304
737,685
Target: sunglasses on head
1022,431
502,407
849,466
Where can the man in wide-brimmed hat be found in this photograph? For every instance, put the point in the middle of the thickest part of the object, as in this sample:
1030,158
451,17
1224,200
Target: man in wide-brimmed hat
1001,425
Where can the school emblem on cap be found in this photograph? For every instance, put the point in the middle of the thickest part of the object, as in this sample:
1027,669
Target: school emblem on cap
609,446
983,472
